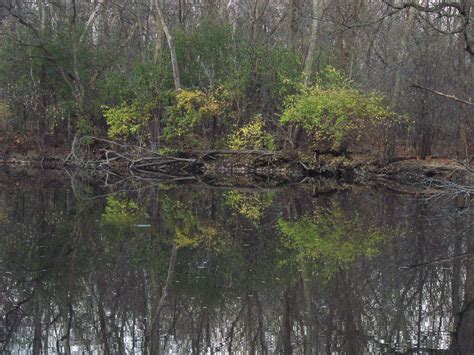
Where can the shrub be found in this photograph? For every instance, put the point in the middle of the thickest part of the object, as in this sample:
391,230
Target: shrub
250,205
5,111
332,237
194,109
335,114
126,121
252,136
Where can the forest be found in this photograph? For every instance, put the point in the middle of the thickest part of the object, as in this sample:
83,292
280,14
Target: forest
390,77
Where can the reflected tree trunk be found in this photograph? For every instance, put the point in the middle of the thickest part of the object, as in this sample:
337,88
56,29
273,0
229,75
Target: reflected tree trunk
309,335
37,333
465,330
286,326
154,327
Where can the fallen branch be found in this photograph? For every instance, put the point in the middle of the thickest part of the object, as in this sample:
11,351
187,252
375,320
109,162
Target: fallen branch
450,97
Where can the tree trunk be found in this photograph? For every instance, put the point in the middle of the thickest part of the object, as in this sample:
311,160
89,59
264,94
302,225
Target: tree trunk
318,9
403,53
42,119
169,39
292,24
258,27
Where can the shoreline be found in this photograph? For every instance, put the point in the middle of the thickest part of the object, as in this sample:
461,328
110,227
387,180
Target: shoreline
251,169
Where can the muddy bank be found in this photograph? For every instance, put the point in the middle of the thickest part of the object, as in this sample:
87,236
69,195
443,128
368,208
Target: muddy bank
247,167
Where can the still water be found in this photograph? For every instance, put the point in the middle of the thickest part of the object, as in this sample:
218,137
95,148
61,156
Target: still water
147,267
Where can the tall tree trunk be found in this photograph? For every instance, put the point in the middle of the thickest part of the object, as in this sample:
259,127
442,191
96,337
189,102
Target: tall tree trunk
292,24
258,30
169,39
105,23
318,9
403,53
42,119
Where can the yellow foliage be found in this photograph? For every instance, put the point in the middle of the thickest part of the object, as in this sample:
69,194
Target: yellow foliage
252,136
193,107
249,205
5,111
206,235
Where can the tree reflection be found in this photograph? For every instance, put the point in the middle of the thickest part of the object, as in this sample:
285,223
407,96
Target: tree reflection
188,269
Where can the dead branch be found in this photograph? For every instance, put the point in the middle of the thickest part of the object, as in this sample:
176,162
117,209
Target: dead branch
450,97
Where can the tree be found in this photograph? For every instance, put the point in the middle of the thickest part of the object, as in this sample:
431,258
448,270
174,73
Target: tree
171,46
317,10
440,14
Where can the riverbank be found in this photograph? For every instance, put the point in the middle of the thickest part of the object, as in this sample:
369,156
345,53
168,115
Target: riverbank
248,167
245,167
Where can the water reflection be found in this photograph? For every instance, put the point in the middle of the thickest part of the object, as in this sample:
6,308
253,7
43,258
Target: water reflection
194,269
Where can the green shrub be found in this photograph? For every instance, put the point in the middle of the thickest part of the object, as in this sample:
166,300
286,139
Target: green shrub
5,111
126,122
122,212
252,136
250,205
336,114
193,112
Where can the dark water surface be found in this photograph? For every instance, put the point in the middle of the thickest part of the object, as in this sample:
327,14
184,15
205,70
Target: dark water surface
187,268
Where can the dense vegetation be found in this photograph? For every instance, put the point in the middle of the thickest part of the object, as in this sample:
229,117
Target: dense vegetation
264,74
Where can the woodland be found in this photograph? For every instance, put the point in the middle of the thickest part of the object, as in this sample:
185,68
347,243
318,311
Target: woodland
386,77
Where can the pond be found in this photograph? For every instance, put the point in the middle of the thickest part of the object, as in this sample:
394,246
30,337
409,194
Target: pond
188,267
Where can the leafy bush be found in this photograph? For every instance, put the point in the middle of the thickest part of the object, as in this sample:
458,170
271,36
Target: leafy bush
196,108
252,136
5,111
335,114
122,212
126,121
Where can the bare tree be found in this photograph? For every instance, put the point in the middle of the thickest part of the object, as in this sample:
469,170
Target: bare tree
440,9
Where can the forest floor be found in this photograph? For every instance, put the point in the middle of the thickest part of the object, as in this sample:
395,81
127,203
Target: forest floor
403,173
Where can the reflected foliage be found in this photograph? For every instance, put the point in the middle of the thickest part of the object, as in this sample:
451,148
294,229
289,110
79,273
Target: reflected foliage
330,239
250,205
276,272
122,212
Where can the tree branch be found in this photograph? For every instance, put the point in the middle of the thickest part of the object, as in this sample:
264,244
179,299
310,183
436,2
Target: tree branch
450,97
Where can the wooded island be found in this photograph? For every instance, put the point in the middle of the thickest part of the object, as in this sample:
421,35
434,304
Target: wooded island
300,78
